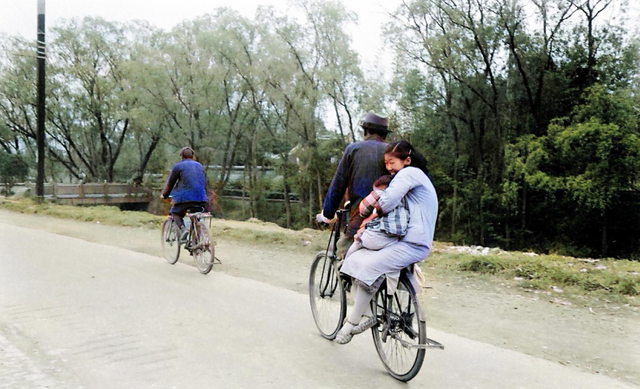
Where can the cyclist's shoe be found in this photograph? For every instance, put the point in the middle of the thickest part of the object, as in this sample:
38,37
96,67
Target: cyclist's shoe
343,338
365,323
345,334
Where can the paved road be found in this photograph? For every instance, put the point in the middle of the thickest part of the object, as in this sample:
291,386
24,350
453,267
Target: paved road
75,314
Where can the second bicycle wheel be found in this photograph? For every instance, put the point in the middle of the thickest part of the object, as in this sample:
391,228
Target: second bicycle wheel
327,295
204,253
169,240
400,330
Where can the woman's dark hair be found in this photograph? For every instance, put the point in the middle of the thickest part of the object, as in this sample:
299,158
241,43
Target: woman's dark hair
402,149
383,181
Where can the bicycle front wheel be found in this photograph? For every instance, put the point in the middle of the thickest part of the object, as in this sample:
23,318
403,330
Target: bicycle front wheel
204,253
170,242
400,332
327,295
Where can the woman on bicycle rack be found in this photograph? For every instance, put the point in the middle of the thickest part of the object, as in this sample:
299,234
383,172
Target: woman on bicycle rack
368,268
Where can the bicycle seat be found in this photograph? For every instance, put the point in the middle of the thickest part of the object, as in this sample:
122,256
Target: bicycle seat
196,209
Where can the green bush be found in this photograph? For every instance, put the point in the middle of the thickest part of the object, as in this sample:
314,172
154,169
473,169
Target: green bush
628,287
13,168
482,265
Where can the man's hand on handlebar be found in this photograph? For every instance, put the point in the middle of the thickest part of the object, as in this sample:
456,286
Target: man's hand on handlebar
323,222
321,219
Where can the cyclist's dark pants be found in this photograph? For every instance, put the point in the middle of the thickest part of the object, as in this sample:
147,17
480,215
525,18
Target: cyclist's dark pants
346,239
180,209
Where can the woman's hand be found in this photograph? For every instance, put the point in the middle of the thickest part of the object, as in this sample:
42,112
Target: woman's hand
367,205
369,218
363,225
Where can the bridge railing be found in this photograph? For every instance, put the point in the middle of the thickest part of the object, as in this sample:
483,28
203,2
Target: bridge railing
95,193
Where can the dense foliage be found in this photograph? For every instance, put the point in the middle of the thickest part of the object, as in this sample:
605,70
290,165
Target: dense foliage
527,110
13,168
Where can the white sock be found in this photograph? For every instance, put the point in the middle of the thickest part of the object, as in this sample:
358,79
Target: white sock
362,304
347,328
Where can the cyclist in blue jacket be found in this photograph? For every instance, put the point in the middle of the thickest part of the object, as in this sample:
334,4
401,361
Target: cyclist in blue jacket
187,187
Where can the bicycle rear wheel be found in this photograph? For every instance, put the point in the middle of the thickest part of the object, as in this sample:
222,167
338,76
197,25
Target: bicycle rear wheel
400,331
204,253
170,242
327,295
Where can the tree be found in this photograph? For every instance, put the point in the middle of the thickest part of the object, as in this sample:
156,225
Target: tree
88,107
597,155
17,95
457,45
13,169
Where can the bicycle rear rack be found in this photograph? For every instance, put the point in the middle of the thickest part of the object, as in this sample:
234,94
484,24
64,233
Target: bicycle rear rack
430,343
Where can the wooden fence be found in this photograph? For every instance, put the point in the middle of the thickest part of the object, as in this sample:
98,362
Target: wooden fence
96,194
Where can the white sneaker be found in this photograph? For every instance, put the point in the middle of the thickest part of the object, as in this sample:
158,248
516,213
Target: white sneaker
366,322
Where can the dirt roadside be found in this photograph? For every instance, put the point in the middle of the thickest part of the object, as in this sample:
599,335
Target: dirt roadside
603,339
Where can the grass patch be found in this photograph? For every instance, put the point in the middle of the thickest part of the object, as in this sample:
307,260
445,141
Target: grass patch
619,279
481,265
102,213
246,232
254,231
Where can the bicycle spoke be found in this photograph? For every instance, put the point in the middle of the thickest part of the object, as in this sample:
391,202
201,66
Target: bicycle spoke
401,329
327,296
201,247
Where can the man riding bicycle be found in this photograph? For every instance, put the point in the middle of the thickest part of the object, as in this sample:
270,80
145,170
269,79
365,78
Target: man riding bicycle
187,187
361,165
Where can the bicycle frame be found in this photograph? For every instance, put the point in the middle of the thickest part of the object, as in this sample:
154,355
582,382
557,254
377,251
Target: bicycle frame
332,283
398,321
194,228
395,322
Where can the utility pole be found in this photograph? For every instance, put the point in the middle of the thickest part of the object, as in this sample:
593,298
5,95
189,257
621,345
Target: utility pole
42,56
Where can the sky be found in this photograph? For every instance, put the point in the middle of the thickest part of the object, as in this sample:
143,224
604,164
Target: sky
19,17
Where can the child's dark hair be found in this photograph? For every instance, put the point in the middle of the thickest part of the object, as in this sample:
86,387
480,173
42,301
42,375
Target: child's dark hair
383,181
403,149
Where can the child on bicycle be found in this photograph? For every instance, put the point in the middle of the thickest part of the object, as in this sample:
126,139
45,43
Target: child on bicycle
377,232
369,268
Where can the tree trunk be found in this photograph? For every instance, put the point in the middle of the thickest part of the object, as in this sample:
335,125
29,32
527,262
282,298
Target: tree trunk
456,155
244,192
287,202
319,190
591,59
310,202
605,245
335,107
254,163
139,175
251,190
454,204
523,222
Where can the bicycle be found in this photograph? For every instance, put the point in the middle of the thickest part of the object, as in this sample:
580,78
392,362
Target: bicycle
198,242
400,334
